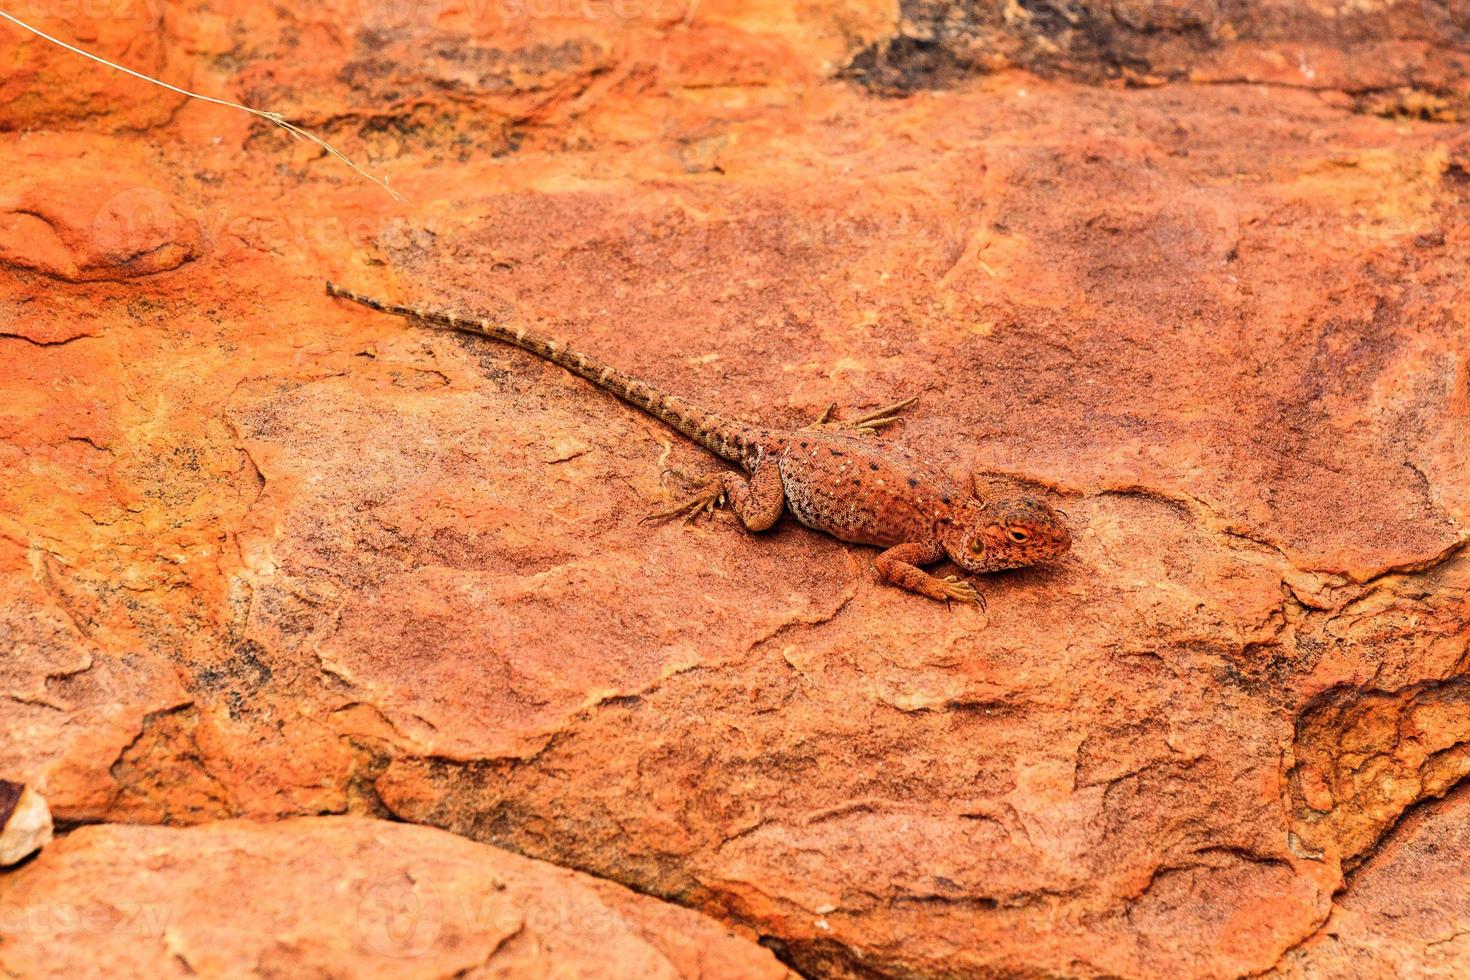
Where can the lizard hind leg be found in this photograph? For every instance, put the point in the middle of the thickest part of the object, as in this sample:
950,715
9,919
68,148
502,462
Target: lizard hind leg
758,502
871,422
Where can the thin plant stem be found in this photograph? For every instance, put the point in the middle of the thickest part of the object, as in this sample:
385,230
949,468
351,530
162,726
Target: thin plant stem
274,117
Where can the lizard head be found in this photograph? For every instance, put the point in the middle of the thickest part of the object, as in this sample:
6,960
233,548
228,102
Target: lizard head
1011,532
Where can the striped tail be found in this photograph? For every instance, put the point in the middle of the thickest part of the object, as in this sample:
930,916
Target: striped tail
720,435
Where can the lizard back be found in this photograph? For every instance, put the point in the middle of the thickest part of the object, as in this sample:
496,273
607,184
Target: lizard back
858,489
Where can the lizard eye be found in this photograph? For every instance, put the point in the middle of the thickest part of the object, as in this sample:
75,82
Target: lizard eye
1018,534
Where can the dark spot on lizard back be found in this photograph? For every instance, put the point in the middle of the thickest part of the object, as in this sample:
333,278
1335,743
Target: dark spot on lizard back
873,467
835,452
913,481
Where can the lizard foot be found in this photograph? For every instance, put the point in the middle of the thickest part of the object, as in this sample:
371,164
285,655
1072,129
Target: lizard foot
877,419
958,590
706,501
871,422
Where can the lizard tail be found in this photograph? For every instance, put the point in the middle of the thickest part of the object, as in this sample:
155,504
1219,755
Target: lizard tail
720,435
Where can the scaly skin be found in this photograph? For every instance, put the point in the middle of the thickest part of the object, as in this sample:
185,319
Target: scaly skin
832,476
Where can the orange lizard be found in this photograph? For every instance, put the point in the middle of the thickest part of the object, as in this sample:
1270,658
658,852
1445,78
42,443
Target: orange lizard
832,476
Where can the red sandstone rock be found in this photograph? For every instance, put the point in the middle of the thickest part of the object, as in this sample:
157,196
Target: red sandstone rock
1407,911
265,555
339,897
44,86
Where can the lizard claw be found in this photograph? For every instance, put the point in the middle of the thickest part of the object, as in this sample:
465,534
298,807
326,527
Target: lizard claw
706,501
878,418
958,590
703,507
681,476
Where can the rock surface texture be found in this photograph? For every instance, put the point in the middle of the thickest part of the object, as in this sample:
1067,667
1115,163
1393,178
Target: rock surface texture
340,897
1192,270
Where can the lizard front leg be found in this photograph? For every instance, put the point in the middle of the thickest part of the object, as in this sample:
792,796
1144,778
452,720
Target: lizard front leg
899,566
758,501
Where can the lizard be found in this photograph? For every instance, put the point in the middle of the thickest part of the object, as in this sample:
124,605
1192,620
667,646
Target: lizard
834,477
